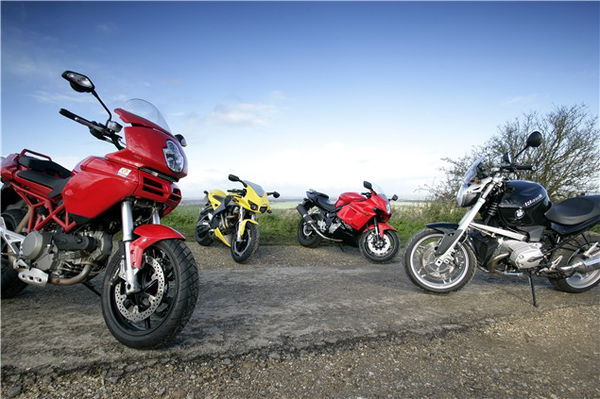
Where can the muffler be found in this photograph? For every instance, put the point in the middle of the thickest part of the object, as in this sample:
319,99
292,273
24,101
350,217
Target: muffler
583,266
304,213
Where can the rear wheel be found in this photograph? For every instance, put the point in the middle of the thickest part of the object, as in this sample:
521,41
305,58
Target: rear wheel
419,262
152,317
203,236
379,249
243,249
11,285
307,237
577,282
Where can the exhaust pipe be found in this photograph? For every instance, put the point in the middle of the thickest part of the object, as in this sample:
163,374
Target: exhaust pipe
302,211
583,266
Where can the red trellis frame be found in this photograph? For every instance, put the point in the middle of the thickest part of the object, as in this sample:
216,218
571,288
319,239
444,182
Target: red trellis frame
56,213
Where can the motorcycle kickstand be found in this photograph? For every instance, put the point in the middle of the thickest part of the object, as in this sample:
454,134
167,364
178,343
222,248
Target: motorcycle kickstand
90,287
530,276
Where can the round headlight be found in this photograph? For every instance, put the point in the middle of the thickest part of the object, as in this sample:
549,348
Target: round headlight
174,157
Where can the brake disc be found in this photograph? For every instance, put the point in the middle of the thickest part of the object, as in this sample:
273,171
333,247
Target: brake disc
133,312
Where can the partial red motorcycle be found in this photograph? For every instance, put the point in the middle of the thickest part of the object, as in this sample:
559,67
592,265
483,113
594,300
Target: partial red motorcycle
57,226
356,219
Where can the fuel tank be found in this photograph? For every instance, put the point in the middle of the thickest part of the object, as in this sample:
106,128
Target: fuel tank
346,198
524,204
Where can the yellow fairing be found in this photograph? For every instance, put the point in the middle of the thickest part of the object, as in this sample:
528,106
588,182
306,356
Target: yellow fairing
243,225
215,197
221,237
252,198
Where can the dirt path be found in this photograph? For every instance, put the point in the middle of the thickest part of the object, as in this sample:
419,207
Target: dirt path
291,307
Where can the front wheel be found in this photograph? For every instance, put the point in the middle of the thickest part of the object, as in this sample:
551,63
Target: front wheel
379,249
152,317
577,282
419,262
243,249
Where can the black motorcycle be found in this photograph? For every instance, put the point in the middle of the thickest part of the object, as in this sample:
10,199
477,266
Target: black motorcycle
520,232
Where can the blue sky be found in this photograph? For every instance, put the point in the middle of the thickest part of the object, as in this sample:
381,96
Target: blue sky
298,95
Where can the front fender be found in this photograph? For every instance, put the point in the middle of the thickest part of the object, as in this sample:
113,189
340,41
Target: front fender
243,225
383,227
443,227
150,234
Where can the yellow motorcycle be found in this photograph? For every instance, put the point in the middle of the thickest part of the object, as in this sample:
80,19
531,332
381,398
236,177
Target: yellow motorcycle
231,217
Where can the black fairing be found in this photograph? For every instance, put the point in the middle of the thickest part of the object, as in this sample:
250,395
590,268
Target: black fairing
527,197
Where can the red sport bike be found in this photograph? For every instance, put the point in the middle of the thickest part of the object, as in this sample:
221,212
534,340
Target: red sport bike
354,218
57,226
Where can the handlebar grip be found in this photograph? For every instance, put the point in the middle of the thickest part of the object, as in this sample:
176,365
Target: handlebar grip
68,114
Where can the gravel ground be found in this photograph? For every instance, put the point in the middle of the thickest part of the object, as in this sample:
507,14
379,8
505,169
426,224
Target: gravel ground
287,326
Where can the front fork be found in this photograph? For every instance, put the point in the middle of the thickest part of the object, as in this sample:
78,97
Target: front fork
463,226
132,285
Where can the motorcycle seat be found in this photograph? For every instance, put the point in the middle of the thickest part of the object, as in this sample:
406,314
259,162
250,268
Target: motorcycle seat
322,200
43,165
574,211
55,183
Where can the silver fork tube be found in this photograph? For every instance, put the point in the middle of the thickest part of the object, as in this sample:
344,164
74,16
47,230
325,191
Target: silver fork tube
132,284
155,216
241,218
465,222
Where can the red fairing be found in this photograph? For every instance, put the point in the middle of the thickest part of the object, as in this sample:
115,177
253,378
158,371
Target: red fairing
382,228
346,198
360,211
150,234
97,185
145,149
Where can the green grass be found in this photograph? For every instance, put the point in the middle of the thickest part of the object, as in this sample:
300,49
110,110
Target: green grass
279,228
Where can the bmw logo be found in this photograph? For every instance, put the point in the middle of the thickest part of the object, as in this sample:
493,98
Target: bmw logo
519,213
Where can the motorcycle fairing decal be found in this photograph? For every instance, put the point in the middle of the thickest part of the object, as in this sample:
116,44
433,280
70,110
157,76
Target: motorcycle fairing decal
383,227
150,234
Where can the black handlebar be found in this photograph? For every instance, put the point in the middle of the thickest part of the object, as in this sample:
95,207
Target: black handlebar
97,130
514,167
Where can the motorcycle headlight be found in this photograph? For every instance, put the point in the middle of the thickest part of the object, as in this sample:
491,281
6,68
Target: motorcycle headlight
253,206
388,208
174,157
466,195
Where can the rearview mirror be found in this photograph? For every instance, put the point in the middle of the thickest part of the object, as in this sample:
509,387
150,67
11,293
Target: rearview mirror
79,82
534,139
395,198
234,178
181,140
367,185
275,194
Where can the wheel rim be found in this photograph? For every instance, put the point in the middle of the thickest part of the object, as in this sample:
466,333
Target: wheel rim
145,311
239,247
307,231
447,275
378,246
581,280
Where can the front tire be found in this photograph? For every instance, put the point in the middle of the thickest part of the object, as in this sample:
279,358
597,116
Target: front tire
419,263
155,315
242,250
10,284
577,282
378,249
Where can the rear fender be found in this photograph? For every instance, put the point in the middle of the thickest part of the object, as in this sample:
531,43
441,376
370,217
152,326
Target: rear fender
149,234
383,227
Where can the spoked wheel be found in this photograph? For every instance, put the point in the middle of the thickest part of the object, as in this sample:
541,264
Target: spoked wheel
419,262
578,282
379,249
9,279
153,316
243,249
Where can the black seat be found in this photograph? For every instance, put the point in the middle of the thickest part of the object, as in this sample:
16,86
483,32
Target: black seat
55,183
322,200
44,165
574,211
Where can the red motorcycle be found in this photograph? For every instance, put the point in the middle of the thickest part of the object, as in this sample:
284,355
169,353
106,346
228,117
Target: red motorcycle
57,226
357,219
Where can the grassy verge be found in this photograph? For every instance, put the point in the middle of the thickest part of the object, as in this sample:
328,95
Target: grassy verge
279,228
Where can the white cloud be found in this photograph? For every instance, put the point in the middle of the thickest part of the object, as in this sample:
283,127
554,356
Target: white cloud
61,99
